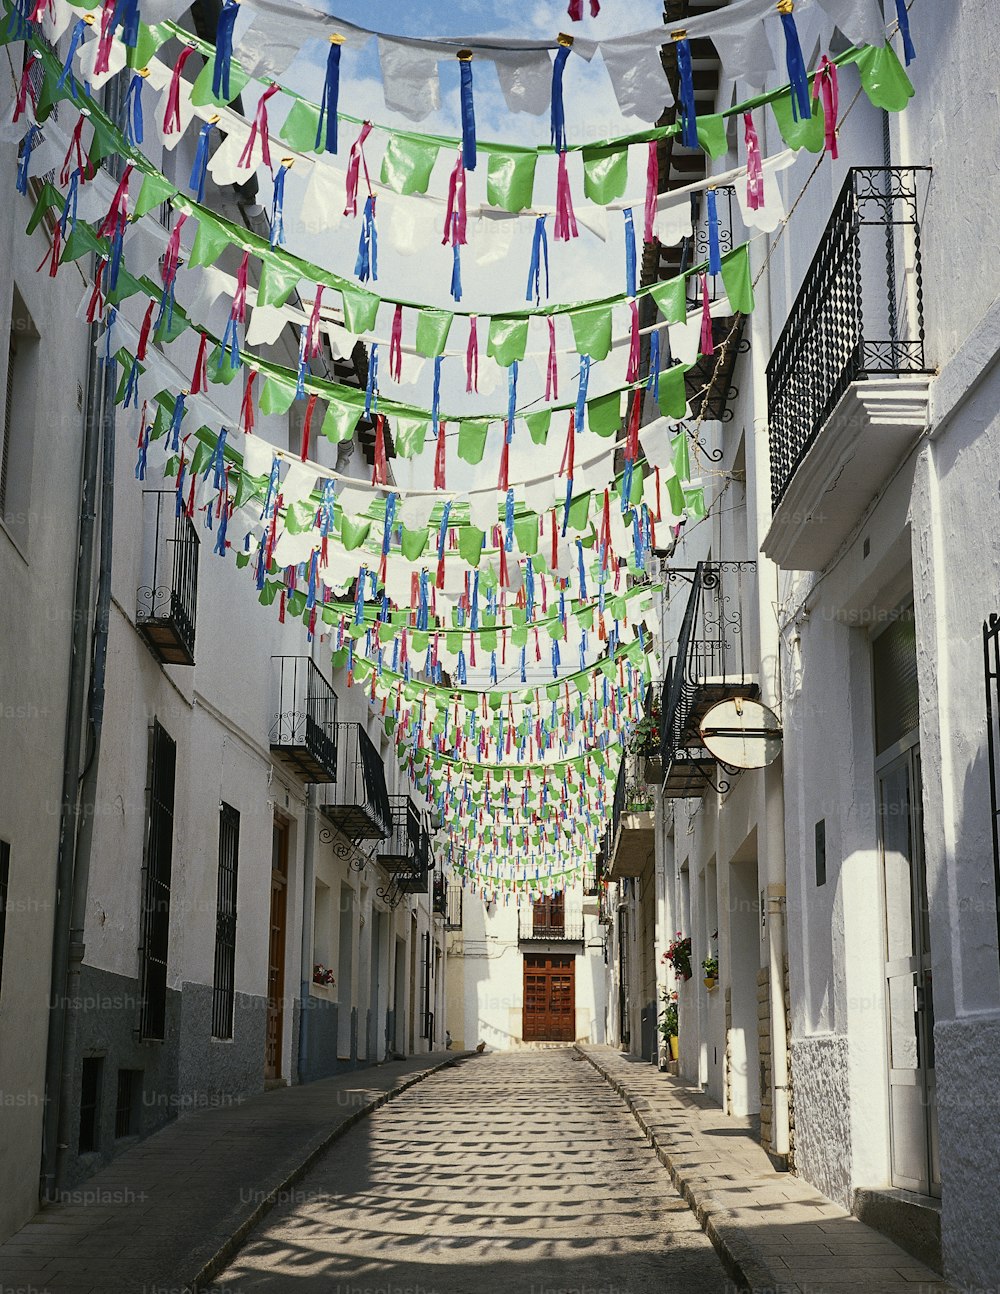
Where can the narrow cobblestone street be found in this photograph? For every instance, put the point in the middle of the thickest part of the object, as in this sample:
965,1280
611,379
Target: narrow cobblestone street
520,1171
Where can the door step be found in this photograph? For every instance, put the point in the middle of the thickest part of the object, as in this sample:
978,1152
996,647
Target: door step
913,1221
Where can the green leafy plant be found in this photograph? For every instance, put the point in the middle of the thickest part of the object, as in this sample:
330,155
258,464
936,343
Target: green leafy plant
668,1016
711,967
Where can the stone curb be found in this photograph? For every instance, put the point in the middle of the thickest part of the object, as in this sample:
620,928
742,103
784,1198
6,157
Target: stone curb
239,1226
748,1268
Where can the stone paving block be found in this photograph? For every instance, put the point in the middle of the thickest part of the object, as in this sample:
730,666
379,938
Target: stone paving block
775,1233
165,1208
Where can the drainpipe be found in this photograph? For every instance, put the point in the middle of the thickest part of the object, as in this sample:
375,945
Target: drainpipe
69,905
771,857
308,904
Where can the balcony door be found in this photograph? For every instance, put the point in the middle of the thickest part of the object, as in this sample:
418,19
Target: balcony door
549,998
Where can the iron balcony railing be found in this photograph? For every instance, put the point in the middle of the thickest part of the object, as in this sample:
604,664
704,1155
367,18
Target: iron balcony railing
167,595
358,802
405,853
439,895
550,927
858,314
712,657
303,733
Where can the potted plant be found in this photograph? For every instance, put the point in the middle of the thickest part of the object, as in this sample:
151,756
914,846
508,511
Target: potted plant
678,954
710,966
668,1020
637,797
323,975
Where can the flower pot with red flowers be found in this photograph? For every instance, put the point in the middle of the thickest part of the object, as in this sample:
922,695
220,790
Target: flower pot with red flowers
678,954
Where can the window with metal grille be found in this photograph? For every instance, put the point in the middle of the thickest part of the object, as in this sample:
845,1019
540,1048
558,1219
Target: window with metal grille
4,882
225,923
91,1072
156,887
127,1102
894,673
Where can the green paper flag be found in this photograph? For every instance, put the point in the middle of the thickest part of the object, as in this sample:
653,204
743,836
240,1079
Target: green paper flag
508,340
413,543
300,126
510,180
883,77
526,533
340,420
604,414
219,367
712,135
147,43
201,91
736,278
300,517
675,493
407,164
605,173
810,135
538,426
671,299
278,395
155,190
694,501
470,544
127,286
277,282
472,440
354,531
360,309
433,327
680,455
592,331
209,242
408,435
673,396
579,510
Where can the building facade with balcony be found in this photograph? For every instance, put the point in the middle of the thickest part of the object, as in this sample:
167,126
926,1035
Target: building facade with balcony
526,974
848,889
213,834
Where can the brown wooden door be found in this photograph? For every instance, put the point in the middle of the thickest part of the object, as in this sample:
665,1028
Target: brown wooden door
276,952
549,998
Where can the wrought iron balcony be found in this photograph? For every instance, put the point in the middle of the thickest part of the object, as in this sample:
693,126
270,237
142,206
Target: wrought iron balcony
632,827
357,803
453,908
711,665
303,733
439,895
549,922
167,596
859,315
405,854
